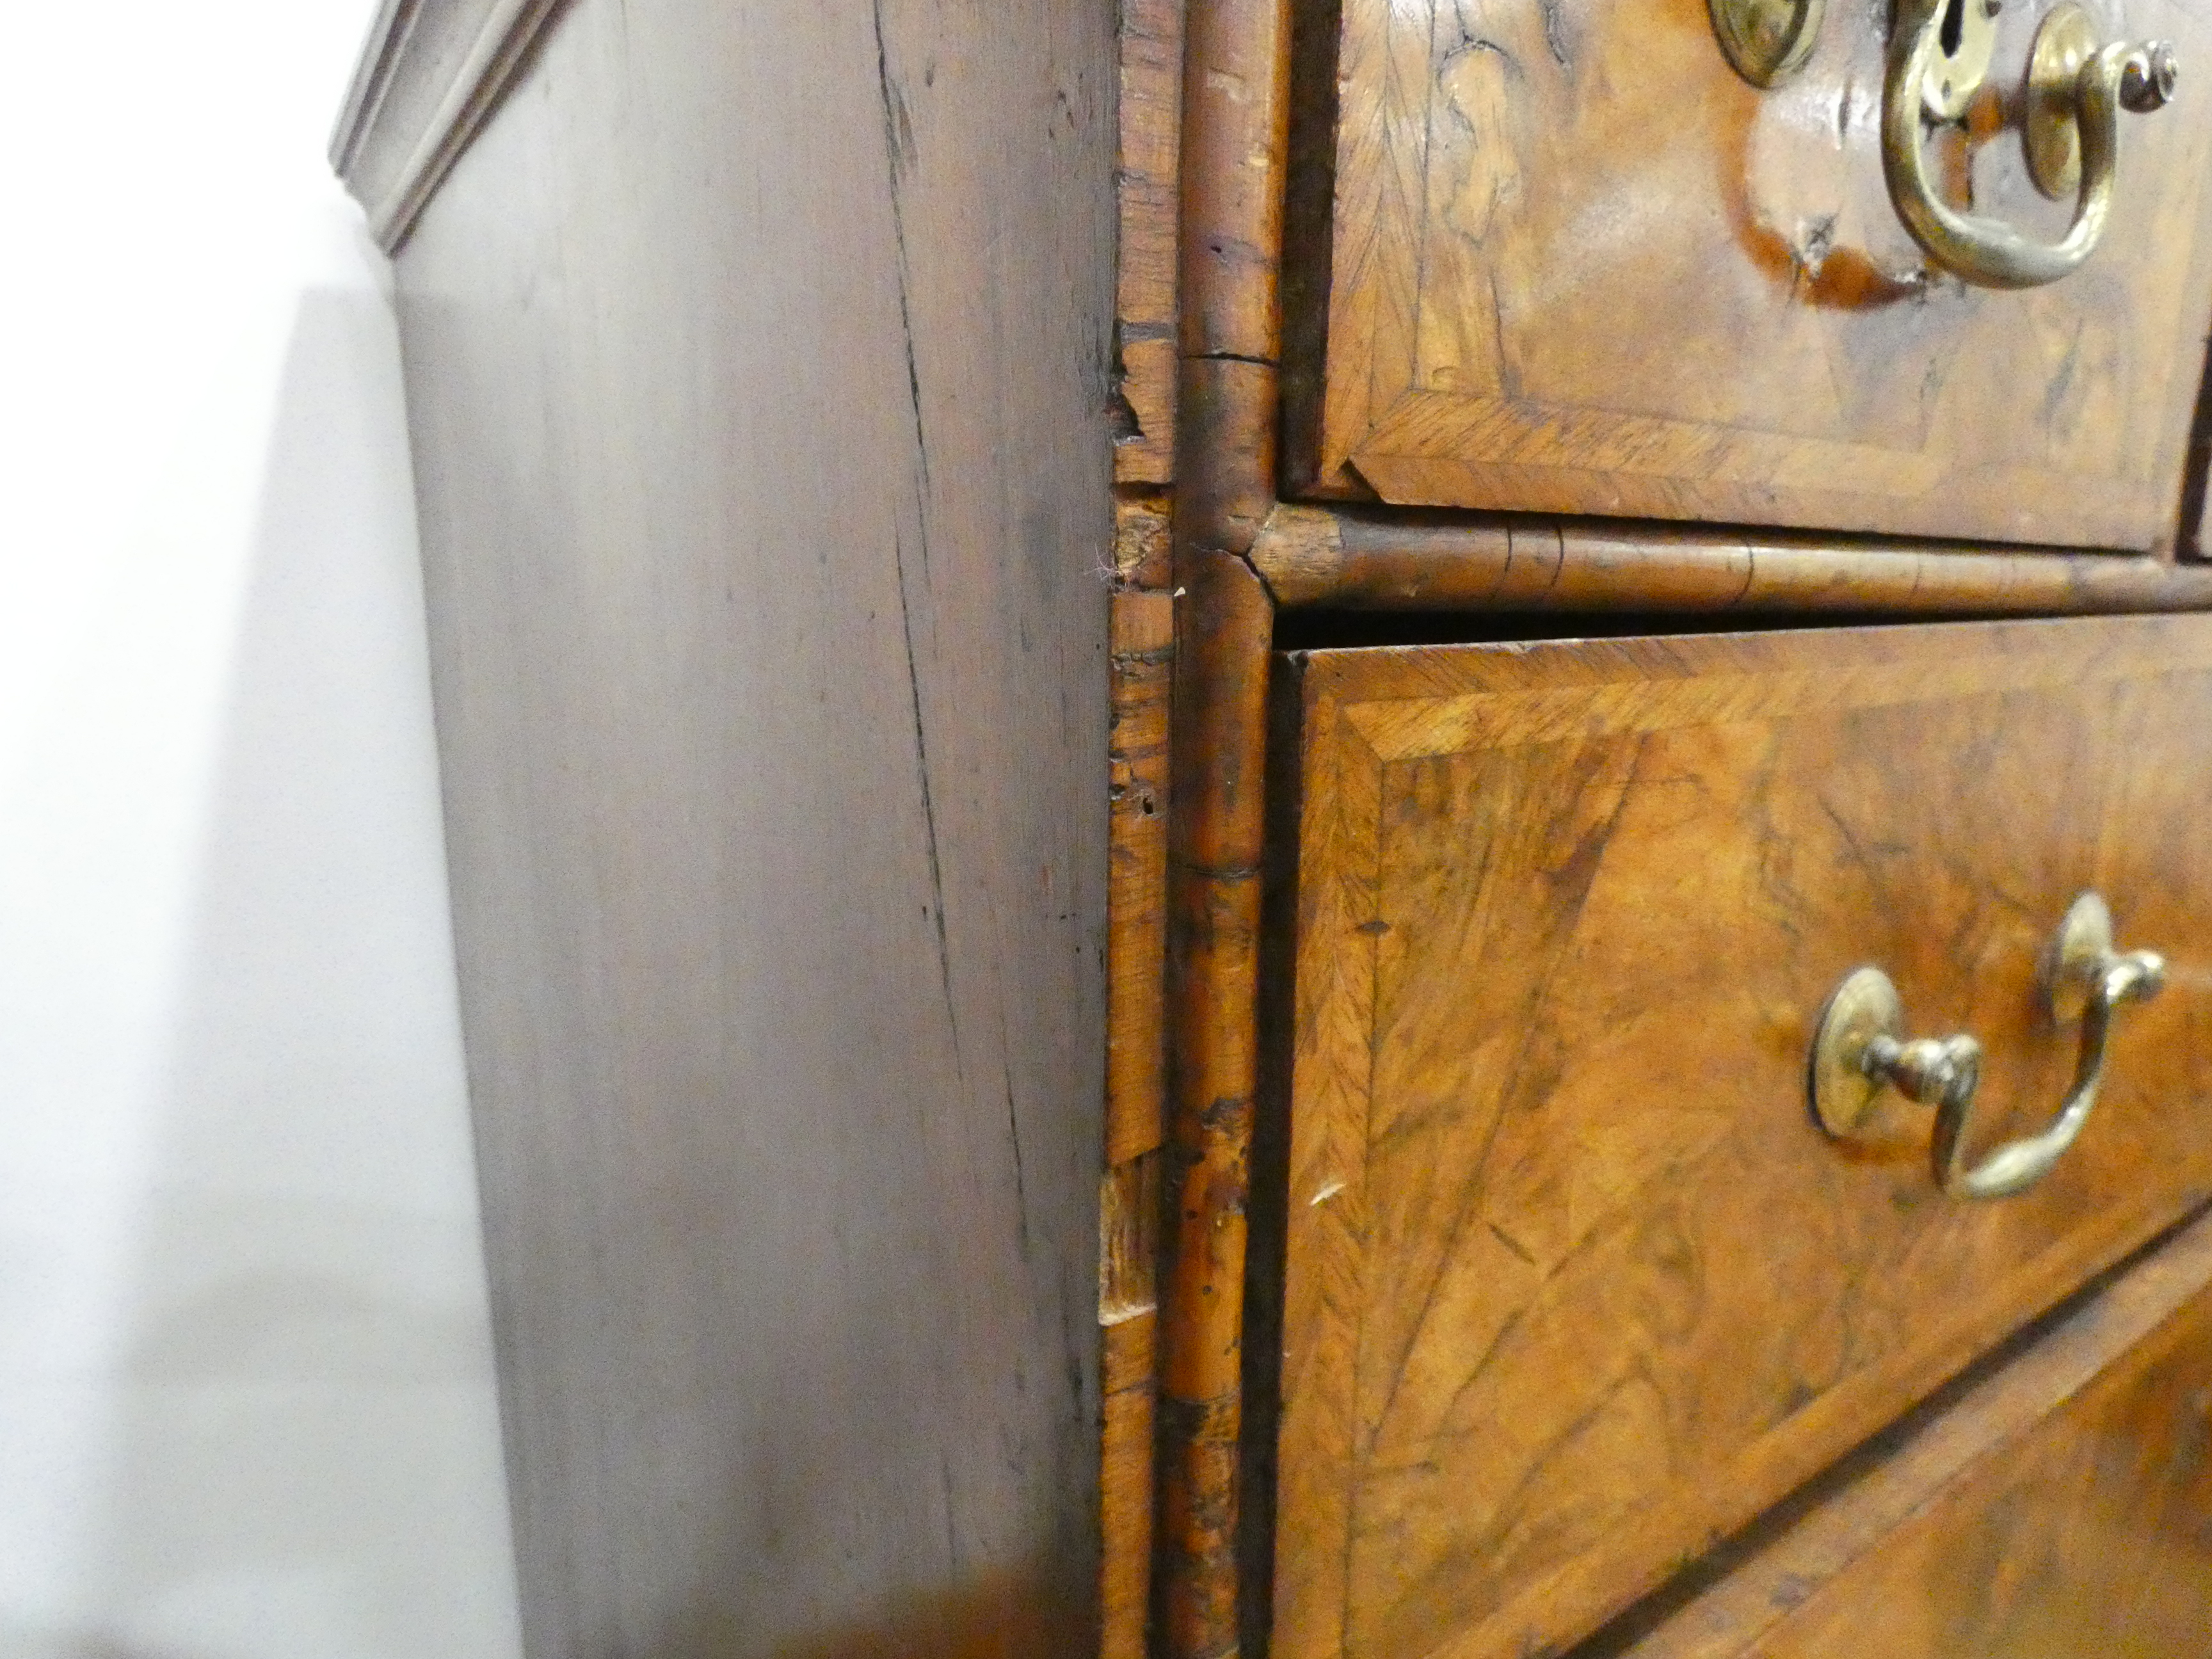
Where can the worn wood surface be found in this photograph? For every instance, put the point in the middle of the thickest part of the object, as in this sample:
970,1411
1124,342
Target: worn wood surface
1126,1485
1229,248
2084,1538
1129,1206
1573,1282
1574,264
1216,837
1354,559
758,359
1235,116
2055,1507
1144,554
1136,1083
1151,127
1137,848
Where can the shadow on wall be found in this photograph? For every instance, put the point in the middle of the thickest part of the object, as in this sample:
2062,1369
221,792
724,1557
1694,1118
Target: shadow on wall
303,1449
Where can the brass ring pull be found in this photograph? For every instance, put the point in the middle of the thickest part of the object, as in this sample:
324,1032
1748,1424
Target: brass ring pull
1938,59
1860,1049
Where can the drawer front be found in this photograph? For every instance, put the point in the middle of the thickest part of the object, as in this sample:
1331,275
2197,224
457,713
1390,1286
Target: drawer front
1573,1278
1557,255
2083,1537
2055,1510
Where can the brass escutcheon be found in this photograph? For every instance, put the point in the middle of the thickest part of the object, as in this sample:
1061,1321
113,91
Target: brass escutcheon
1966,39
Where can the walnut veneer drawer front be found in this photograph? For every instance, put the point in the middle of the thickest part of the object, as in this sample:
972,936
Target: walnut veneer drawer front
2054,1507
1573,1278
2082,1537
1558,255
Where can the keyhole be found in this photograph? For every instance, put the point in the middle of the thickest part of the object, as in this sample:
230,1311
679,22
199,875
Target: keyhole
1954,31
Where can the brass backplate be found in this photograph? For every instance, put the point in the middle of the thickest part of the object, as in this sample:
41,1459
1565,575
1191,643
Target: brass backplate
2069,962
1841,1093
1767,40
2064,42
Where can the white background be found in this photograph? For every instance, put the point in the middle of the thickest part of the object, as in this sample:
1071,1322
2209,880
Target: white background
246,1399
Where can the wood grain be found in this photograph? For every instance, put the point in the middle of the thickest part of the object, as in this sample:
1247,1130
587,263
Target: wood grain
1966,1493
1573,1284
1137,851
1235,113
1128,1225
1150,128
1216,839
1136,965
1574,264
1143,551
758,368
1235,118
2084,1538
1351,559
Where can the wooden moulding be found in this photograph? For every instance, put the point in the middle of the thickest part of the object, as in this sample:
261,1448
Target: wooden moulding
1145,298
1236,70
1128,1208
432,72
1147,165
1224,621
1236,114
1137,790
1374,560
1143,635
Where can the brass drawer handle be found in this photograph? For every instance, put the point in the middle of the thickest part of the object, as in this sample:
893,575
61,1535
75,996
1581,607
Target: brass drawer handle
1939,54
1861,1048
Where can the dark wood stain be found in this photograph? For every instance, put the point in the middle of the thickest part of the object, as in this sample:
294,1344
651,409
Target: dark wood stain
759,360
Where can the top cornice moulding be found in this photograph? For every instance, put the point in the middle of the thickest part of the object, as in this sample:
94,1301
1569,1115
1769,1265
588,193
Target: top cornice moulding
431,72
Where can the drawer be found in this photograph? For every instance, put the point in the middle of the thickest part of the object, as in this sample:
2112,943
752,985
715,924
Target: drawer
1572,1279
1558,255
2056,1509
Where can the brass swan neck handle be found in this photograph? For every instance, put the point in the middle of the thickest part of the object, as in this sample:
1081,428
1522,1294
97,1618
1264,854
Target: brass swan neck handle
1860,1050
1938,59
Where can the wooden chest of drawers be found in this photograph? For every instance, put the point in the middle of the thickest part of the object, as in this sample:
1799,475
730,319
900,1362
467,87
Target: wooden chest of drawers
1255,671
1520,1251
